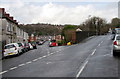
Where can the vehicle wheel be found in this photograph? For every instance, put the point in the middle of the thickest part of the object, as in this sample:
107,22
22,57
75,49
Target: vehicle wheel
18,53
114,53
23,51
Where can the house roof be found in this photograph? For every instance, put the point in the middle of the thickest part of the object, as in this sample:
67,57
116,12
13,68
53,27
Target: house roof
3,14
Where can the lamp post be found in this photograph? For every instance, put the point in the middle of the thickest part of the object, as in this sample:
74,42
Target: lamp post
96,24
88,25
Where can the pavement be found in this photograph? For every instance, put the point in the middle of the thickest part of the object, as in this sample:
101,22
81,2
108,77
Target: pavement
90,59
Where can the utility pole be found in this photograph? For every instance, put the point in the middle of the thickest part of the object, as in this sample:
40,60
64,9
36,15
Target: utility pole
88,25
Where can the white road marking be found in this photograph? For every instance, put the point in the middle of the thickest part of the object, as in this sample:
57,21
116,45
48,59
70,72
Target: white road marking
44,56
101,41
35,60
51,53
13,68
3,72
98,45
93,52
107,54
29,62
48,62
82,68
21,65
39,58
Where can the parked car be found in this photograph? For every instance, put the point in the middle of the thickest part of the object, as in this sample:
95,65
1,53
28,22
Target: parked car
34,45
41,42
27,47
113,36
31,47
52,43
22,47
116,45
12,49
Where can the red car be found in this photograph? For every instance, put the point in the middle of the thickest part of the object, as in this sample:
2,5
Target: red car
52,43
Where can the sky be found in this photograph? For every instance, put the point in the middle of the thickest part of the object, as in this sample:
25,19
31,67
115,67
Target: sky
59,11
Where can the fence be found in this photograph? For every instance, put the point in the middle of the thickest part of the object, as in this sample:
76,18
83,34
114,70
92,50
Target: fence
80,36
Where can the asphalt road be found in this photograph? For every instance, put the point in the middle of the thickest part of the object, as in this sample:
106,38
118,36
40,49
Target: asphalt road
90,58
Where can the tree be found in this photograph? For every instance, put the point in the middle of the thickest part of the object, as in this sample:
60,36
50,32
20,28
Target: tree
68,32
115,22
94,24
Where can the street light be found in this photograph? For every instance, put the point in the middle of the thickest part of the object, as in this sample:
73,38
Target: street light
96,24
88,25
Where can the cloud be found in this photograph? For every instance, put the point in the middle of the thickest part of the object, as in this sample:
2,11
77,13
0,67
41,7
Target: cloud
62,0
55,14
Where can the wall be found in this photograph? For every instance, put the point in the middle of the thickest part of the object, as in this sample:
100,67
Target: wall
80,36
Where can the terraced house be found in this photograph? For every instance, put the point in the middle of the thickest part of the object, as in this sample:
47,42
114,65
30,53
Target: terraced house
11,31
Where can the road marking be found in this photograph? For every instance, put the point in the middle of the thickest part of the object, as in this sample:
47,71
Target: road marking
39,58
107,54
13,68
21,65
44,56
93,52
51,53
101,41
82,68
48,62
99,45
3,72
35,60
29,62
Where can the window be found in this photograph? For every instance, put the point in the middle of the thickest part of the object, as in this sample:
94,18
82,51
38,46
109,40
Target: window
8,27
118,38
9,46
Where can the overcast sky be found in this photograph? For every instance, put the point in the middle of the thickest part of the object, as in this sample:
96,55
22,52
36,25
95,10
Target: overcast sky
59,11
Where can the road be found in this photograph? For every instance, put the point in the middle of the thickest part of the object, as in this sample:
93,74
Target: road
91,58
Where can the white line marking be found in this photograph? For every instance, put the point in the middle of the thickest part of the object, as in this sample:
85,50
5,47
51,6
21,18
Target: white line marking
3,72
21,65
29,62
51,53
39,58
107,54
93,52
48,62
101,41
44,56
81,69
98,45
13,68
35,60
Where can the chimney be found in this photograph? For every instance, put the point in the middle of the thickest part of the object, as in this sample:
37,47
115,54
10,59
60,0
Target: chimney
15,21
7,15
11,18
2,10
